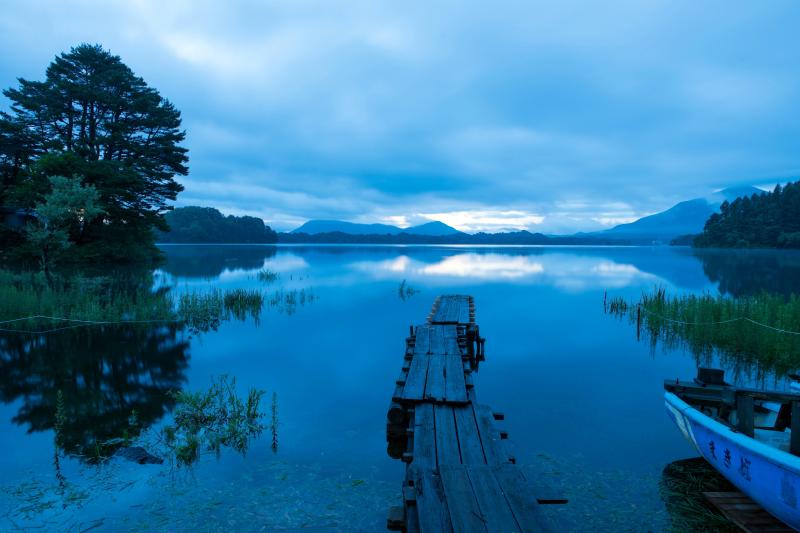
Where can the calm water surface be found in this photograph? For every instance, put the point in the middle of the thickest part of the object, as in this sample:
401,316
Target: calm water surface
581,396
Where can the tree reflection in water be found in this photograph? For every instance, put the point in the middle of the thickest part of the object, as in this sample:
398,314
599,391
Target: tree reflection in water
114,380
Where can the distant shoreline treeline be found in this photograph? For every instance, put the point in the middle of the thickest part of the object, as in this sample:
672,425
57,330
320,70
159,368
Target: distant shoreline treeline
767,220
517,237
206,225
198,225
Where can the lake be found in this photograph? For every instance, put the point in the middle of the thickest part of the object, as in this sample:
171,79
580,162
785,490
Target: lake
581,395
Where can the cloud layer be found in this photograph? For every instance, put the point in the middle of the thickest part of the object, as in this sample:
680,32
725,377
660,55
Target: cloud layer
551,116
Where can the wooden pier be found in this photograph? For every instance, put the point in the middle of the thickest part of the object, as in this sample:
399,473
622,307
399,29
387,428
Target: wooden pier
459,475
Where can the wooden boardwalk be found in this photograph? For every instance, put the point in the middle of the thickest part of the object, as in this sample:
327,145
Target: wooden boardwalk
745,513
459,475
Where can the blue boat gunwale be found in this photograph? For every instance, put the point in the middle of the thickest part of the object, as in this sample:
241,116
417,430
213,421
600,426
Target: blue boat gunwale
779,458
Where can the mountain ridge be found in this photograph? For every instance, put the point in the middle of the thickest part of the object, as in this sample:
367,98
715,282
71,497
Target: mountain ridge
433,228
683,218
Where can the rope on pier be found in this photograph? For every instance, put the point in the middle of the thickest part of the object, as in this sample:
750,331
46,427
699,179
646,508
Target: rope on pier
714,323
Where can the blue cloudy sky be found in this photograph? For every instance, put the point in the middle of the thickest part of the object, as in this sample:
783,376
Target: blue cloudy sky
555,117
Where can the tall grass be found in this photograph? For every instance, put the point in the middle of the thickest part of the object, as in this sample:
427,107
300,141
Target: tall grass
708,325
108,300
101,299
267,276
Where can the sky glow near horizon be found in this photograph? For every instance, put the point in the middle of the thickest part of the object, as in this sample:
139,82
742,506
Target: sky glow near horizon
553,117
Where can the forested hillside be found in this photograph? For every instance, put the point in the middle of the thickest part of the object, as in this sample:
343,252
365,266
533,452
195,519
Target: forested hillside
767,220
207,225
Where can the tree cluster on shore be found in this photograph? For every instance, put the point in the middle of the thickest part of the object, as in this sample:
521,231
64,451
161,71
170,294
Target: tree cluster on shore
89,156
207,225
768,220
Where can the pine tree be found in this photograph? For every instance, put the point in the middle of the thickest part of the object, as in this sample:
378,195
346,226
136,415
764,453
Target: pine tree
93,120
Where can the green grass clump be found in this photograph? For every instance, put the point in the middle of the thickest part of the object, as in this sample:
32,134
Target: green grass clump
201,311
212,419
78,297
682,487
267,276
744,331
243,303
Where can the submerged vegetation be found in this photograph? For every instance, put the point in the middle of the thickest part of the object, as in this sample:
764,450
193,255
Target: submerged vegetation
406,291
209,420
202,422
204,311
682,487
762,329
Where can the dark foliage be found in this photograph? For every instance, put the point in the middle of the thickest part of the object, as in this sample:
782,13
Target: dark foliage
93,120
683,240
188,262
113,381
768,220
207,225
751,272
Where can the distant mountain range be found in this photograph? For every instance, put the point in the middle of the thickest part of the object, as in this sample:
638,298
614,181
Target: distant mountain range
683,218
315,227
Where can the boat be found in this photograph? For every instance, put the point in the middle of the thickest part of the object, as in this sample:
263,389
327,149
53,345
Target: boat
752,437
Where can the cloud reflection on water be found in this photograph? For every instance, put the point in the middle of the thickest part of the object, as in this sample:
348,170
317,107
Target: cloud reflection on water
566,271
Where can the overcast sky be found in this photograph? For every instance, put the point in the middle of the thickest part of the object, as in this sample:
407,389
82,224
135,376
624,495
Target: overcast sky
555,117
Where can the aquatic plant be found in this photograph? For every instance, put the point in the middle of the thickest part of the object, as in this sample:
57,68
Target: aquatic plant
682,487
201,311
243,303
77,297
267,276
287,301
405,291
212,419
274,425
760,330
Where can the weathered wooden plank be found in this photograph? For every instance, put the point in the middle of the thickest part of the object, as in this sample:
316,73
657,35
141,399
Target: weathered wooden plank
469,440
466,309
424,452
414,388
422,344
454,311
441,310
448,311
493,448
396,520
494,506
745,413
443,339
432,511
459,476
522,503
447,452
454,384
750,517
435,385
465,515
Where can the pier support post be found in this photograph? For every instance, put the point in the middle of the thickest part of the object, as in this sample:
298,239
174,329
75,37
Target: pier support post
745,414
794,443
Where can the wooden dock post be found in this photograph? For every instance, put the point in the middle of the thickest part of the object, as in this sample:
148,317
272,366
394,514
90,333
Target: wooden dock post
459,474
